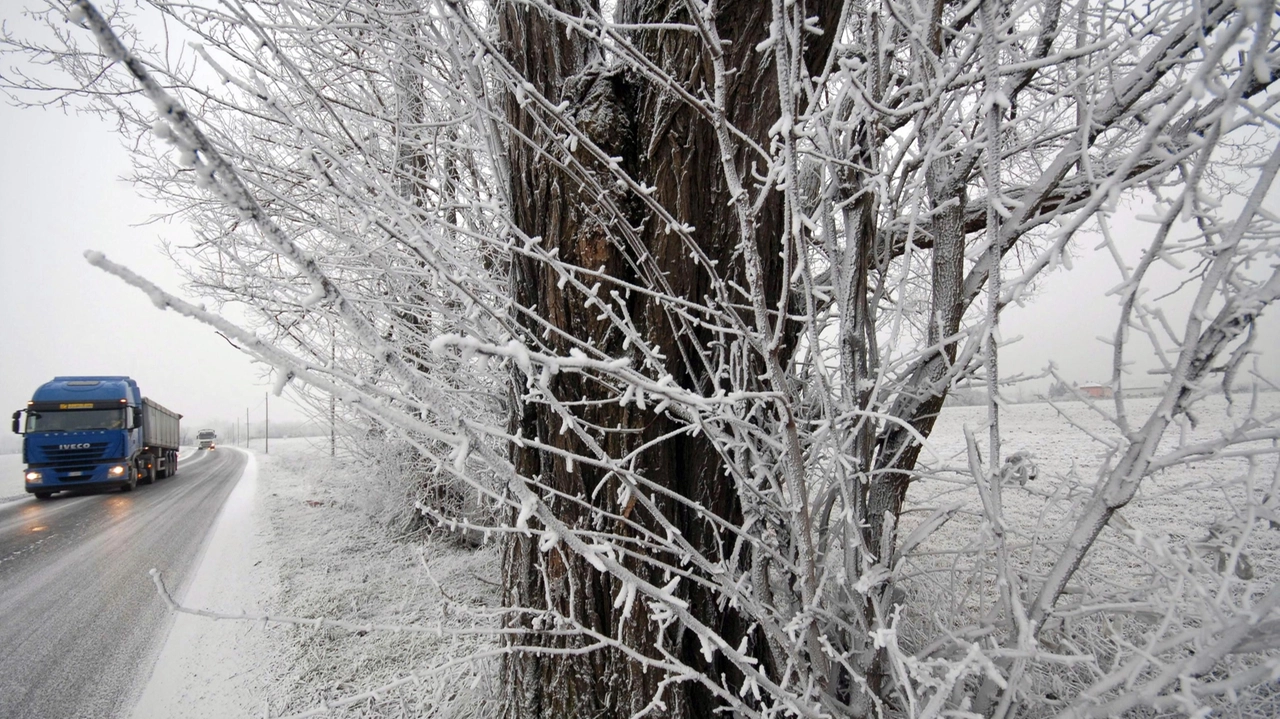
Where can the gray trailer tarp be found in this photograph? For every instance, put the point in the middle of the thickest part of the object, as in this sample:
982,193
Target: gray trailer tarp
159,426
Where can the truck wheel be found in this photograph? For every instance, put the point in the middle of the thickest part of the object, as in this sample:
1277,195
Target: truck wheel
43,495
133,481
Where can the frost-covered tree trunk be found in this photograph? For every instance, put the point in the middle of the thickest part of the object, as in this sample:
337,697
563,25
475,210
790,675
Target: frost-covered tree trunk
673,151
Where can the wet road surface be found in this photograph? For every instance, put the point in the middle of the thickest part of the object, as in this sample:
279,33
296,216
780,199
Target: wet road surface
80,620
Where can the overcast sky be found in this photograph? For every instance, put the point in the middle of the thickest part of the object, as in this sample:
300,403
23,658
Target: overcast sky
61,194
1071,317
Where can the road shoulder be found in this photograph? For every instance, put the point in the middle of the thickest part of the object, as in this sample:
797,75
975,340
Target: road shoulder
212,669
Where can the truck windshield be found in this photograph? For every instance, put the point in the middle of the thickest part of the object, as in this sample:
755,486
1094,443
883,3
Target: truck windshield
75,420
206,435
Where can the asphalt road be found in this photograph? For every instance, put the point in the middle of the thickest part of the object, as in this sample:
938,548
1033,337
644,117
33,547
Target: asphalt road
80,620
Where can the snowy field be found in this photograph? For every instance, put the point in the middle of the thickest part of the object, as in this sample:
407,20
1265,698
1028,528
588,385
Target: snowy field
1181,500
1150,552
1177,505
310,540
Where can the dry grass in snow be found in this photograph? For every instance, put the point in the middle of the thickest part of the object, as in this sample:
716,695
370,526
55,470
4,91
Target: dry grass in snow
336,561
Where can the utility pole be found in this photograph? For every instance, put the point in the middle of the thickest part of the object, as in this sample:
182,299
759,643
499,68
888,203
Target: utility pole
266,432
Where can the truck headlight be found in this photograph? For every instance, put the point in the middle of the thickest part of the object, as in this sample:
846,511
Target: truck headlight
116,471
34,478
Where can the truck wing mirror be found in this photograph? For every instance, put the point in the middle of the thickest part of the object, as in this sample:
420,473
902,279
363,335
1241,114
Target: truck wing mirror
137,416
16,426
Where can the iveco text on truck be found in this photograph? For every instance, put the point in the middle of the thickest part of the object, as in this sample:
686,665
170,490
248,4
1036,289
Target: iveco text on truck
95,433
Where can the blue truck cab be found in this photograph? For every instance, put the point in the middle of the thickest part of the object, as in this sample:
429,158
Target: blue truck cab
95,433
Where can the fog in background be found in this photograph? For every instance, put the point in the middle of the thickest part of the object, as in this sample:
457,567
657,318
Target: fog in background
61,194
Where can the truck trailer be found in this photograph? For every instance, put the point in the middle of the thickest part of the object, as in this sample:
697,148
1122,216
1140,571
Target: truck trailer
95,433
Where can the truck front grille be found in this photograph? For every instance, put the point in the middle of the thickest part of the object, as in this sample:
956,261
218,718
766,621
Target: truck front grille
80,455
81,461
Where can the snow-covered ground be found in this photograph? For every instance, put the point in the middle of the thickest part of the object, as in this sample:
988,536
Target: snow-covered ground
343,564
1182,499
210,668
1179,503
302,537
1170,517
298,540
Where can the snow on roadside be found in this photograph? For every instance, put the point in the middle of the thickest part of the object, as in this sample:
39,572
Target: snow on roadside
336,561
12,486
296,540
212,669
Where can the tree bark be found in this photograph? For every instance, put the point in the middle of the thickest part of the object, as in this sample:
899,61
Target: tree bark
672,147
